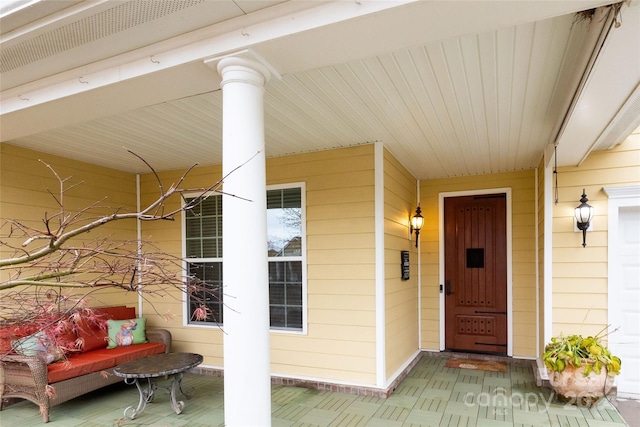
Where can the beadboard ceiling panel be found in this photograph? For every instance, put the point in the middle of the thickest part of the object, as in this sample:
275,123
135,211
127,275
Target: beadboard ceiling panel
477,103
463,106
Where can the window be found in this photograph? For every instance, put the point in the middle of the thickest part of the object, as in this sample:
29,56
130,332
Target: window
284,231
203,250
203,247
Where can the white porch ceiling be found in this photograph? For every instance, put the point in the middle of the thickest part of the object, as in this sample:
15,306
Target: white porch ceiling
450,88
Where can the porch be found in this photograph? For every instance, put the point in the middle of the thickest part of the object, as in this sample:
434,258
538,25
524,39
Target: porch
431,395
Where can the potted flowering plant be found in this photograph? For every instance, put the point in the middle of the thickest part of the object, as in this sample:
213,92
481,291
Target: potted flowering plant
581,369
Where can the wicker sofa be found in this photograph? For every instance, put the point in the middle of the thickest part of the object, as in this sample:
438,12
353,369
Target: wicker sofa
31,378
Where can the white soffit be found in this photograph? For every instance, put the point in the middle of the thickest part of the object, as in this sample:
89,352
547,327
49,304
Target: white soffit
609,107
17,13
92,31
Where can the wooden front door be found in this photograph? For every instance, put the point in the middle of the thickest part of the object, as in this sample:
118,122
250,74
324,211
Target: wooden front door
476,273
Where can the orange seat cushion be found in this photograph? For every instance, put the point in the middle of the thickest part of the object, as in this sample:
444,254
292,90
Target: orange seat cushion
99,360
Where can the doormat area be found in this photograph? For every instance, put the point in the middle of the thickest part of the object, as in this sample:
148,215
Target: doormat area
483,365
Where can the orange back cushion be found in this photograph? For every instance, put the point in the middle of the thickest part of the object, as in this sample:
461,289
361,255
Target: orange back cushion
94,334
9,333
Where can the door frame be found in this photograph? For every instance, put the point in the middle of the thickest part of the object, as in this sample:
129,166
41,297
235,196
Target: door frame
441,197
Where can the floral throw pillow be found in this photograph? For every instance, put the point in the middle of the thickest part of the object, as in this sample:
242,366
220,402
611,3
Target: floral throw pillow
126,332
39,345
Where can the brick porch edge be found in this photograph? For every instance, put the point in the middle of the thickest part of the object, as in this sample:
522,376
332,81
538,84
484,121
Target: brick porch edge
373,391
327,386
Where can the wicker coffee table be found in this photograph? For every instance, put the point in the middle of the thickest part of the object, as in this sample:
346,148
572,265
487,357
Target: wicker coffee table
158,365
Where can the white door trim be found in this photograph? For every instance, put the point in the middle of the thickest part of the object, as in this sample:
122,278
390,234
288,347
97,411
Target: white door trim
620,196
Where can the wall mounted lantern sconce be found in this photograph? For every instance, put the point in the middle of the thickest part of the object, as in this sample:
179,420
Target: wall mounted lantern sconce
417,221
584,215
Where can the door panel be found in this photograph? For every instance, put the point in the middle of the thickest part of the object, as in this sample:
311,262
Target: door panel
625,295
476,273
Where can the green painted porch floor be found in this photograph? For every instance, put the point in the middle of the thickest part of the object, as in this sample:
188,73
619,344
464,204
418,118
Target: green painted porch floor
431,395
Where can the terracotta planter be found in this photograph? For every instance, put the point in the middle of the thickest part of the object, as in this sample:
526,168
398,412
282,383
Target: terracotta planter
572,386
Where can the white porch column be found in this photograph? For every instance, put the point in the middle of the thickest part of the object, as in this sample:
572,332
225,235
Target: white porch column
247,377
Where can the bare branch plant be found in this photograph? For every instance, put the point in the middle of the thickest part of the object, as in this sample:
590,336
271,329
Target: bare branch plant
47,274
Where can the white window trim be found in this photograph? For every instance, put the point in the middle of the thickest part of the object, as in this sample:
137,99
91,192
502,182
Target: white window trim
302,257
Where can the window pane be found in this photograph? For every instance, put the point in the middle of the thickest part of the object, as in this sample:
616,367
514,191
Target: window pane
193,249
294,294
276,272
274,199
210,248
276,294
208,293
209,227
294,316
285,294
203,227
192,227
278,317
193,211
212,272
284,222
291,197
212,206
294,271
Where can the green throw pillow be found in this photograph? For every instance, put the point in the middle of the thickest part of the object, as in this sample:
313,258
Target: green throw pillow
126,332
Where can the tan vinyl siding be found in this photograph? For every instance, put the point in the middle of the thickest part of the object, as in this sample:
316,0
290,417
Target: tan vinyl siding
340,341
522,185
401,296
29,191
580,278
